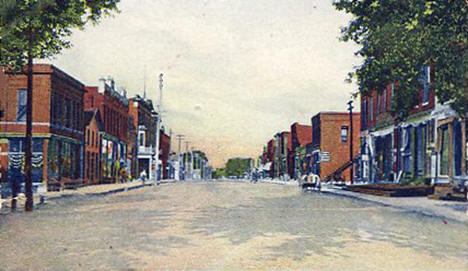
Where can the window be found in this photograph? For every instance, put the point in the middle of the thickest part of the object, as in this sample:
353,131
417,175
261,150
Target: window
457,148
16,145
426,81
142,139
364,114
444,151
392,92
37,145
371,110
53,109
378,105
344,133
384,103
21,109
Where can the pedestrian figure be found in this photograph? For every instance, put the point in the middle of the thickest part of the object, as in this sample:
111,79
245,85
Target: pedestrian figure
143,176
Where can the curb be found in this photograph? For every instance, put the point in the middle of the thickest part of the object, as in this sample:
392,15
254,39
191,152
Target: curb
418,211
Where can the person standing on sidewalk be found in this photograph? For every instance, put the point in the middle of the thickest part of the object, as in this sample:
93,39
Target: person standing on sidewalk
143,176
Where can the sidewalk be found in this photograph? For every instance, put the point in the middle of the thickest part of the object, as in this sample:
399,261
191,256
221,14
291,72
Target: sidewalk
278,181
91,190
447,210
452,210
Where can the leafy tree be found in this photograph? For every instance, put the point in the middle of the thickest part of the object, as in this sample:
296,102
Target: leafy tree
237,166
397,38
35,29
219,173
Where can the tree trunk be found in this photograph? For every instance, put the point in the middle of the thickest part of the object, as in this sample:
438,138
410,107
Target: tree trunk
28,142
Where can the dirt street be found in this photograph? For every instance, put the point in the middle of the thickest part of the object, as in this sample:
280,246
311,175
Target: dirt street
227,226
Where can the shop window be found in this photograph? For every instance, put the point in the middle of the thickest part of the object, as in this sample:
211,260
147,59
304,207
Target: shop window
407,133
457,148
16,145
444,151
37,145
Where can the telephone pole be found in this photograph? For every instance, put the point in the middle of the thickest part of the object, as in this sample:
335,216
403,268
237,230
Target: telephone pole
350,108
158,130
180,138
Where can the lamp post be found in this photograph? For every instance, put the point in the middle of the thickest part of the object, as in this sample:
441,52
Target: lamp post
350,108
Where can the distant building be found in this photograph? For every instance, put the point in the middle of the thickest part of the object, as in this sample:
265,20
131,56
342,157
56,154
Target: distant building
282,150
57,126
113,107
92,136
331,140
301,135
165,145
144,118
270,158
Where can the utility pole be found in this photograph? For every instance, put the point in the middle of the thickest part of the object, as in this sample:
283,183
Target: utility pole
350,108
158,128
180,138
191,163
179,157
186,162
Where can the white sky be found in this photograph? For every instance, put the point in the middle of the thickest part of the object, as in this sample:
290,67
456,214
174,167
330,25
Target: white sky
236,71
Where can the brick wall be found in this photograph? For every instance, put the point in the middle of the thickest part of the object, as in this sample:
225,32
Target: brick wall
331,124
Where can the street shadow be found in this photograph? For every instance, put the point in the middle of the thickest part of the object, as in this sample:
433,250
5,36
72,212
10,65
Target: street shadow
319,222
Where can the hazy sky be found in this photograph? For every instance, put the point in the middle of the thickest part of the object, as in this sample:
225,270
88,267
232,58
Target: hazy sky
236,71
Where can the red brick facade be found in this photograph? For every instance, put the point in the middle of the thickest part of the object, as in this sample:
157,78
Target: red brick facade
165,145
92,158
327,140
57,124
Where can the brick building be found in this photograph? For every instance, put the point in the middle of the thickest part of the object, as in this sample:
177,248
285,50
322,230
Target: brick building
132,149
57,125
144,119
330,142
165,144
113,108
270,158
430,144
282,150
301,135
92,157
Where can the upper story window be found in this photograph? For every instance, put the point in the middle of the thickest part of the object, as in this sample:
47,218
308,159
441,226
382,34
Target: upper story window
371,109
364,111
384,102
142,139
378,104
392,92
21,108
344,133
426,81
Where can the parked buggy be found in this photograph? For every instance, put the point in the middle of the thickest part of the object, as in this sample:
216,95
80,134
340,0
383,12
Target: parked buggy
310,182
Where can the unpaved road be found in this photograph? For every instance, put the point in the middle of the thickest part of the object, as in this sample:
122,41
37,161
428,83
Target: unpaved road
227,226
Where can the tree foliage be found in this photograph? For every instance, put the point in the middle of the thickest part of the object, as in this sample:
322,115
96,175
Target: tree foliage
44,25
237,166
397,38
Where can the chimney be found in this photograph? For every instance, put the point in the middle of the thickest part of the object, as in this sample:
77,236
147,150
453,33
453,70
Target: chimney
102,85
111,82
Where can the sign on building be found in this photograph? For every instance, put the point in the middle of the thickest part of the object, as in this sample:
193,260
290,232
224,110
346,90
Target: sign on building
325,157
